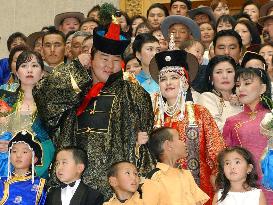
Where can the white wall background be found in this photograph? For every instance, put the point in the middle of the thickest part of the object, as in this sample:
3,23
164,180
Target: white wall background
28,16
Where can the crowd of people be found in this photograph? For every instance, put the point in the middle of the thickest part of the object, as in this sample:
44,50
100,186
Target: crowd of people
170,108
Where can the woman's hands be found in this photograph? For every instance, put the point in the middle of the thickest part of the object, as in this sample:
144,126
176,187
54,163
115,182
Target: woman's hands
234,100
142,138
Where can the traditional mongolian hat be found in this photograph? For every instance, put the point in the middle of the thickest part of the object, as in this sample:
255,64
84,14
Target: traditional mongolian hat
180,62
109,38
27,138
180,59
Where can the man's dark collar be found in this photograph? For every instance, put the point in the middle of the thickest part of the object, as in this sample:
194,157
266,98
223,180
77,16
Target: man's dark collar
112,78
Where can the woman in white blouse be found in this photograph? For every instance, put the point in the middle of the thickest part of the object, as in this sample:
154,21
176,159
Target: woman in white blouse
219,98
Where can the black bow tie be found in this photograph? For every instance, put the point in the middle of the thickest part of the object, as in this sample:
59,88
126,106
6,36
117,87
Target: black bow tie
63,185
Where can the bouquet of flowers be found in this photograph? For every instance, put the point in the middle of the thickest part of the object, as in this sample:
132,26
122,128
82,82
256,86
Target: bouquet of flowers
4,108
266,128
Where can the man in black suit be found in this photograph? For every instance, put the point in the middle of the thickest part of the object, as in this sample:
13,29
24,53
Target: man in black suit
70,164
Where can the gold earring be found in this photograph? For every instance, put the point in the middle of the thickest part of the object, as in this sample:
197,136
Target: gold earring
261,97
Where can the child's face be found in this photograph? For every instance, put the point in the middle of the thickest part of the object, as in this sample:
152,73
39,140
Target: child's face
197,50
179,147
21,158
236,167
126,181
67,170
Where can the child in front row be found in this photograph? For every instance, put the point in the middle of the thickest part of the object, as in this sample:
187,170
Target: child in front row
124,180
237,179
22,186
179,184
70,164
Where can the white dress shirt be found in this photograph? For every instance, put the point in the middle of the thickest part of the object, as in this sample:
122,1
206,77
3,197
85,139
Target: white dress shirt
68,192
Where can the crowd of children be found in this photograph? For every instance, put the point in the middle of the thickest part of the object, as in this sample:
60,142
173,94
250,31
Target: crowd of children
236,182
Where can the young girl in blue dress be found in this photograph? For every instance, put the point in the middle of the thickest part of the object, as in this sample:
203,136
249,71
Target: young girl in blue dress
22,186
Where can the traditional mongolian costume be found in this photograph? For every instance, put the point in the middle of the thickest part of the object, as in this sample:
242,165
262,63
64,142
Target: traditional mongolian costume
194,123
13,121
103,118
27,189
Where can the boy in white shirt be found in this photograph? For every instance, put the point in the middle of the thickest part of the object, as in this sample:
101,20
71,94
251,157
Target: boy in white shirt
70,164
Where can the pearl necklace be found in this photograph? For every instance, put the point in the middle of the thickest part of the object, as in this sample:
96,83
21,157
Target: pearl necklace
170,110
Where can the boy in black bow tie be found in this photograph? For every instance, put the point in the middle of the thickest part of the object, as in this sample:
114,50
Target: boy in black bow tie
70,164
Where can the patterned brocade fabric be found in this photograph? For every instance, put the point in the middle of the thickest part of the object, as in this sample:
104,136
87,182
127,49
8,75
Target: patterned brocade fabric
210,144
21,190
107,129
57,99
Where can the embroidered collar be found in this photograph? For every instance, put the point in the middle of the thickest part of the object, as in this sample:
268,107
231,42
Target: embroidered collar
27,174
46,64
16,178
259,107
